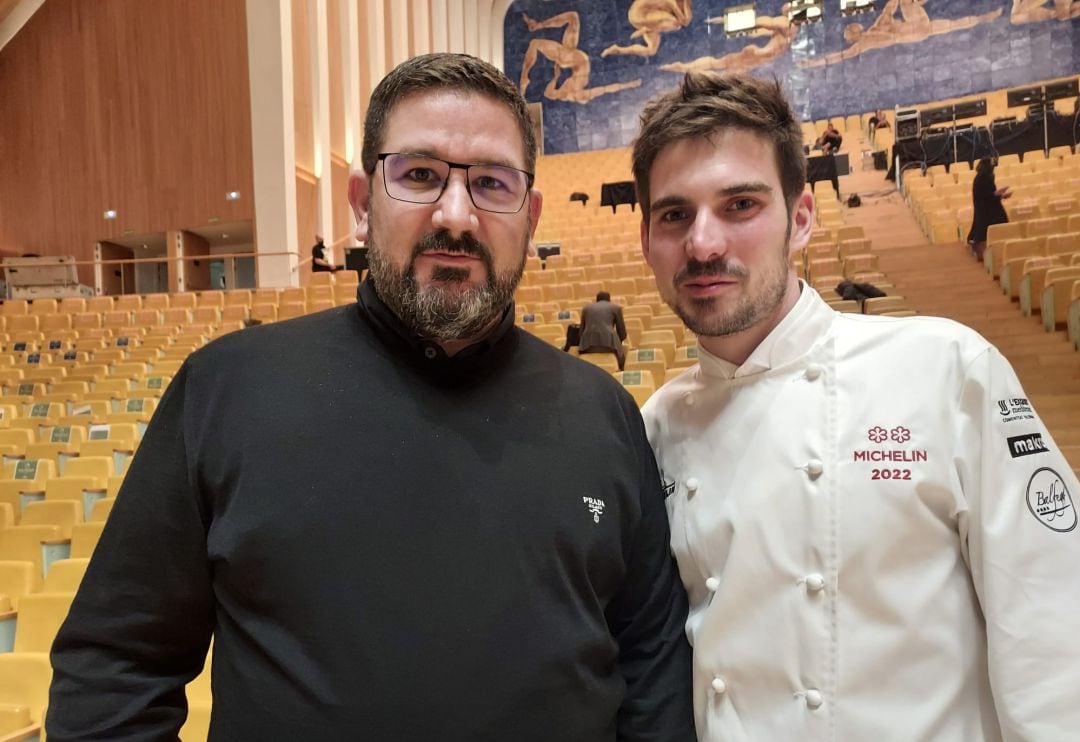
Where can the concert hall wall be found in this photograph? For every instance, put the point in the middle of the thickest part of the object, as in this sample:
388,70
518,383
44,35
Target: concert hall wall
968,47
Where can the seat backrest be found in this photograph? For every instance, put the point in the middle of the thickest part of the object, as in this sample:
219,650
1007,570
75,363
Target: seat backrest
65,575
24,681
62,513
40,617
17,579
89,466
84,537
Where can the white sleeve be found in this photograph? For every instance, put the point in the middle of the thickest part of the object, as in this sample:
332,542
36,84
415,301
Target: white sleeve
1023,548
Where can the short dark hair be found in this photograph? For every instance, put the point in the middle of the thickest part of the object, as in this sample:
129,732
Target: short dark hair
460,72
986,165
706,103
603,296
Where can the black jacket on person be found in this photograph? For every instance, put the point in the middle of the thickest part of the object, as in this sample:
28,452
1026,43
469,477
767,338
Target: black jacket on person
387,544
987,206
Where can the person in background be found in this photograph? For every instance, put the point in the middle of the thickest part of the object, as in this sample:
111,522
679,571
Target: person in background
830,140
603,329
402,518
321,261
871,520
986,200
878,120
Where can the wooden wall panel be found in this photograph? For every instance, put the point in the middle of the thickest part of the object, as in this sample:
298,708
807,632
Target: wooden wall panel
342,210
303,100
307,219
136,106
337,91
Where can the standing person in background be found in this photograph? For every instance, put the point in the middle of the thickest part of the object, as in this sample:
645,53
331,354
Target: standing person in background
402,519
875,529
986,199
321,260
878,120
603,329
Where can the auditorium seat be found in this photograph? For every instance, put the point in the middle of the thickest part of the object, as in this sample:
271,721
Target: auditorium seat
99,513
24,544
17,579
62,513
606,361
1014,255
1057,294
84,539
24,692
883,304
1073,320
1032,282
39,620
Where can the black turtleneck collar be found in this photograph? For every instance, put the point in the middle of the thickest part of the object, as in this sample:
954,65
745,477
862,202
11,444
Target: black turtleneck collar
390,325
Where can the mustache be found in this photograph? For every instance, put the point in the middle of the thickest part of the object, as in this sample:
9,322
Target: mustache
443,241
713,268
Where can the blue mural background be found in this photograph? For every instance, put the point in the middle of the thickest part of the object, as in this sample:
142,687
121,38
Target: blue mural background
995,54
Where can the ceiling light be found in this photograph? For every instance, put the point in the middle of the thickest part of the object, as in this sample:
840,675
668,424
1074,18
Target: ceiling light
110,214
232,196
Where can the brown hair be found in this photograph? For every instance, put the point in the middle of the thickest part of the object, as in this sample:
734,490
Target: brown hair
706,103
459,72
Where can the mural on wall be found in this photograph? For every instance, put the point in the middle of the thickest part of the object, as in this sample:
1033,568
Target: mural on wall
912,26
593,65
565,55
650,18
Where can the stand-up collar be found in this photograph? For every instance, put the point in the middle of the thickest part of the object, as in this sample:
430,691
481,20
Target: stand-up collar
796,334
426,349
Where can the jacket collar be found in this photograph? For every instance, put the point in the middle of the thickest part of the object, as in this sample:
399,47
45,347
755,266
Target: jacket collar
790,340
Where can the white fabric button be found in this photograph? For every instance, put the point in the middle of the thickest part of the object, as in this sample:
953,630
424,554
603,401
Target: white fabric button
814,371
712,584
689,399
719,684
814,467
813,699
692,484
815,583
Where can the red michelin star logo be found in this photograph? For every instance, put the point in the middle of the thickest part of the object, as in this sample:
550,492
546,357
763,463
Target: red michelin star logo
900,434
878,434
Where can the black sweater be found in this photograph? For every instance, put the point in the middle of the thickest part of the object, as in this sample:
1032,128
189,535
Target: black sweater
387,544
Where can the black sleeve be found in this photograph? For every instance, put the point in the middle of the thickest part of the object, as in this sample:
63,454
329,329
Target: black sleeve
648,619
140,625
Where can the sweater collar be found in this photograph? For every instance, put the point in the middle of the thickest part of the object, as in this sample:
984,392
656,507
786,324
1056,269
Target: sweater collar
796,334
425,349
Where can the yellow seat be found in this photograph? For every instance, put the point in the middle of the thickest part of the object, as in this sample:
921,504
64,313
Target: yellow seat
99,513
1057,293
65,575
40,617
62,513
27,475
883,304
17,579
24,683
24,544
84,538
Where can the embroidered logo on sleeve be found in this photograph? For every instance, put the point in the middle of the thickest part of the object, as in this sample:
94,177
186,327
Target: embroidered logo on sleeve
1026,445
1014,409
596,507
1049,501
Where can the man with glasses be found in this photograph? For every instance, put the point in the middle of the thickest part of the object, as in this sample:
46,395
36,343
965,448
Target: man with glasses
402,519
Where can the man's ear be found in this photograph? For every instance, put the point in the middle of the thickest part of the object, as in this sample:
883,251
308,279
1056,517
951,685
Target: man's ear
360,200
536,205
802,223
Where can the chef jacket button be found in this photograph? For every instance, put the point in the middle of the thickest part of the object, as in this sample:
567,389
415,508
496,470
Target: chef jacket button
814,467
689,399
712,584
692,484
430,353
813,371
815,583
719,685
813,698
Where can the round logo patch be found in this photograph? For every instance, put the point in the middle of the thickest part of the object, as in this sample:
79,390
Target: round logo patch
1048,500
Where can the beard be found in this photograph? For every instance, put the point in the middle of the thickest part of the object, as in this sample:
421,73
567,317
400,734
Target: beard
448,307
706,317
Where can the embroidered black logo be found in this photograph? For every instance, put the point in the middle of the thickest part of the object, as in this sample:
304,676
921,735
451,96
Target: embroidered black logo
1049,501
669,485
1026,445
1016,408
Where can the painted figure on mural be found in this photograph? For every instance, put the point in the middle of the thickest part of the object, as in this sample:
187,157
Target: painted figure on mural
1035,11
565,55
913,25
651,18
780,30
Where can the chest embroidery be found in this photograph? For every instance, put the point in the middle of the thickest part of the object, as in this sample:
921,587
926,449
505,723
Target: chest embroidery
596,507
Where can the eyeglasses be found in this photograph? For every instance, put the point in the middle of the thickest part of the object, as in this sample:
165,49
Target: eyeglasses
420,179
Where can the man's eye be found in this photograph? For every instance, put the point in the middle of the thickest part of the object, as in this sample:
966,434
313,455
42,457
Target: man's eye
489,183
673,215
421,175
742,204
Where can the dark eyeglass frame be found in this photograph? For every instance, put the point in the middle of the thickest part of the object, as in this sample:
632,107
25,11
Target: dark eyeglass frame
530,178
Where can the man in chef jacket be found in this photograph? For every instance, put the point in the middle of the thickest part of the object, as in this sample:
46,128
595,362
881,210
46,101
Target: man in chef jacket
876,531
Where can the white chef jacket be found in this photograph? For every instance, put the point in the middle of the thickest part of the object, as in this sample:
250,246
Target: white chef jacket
877,535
